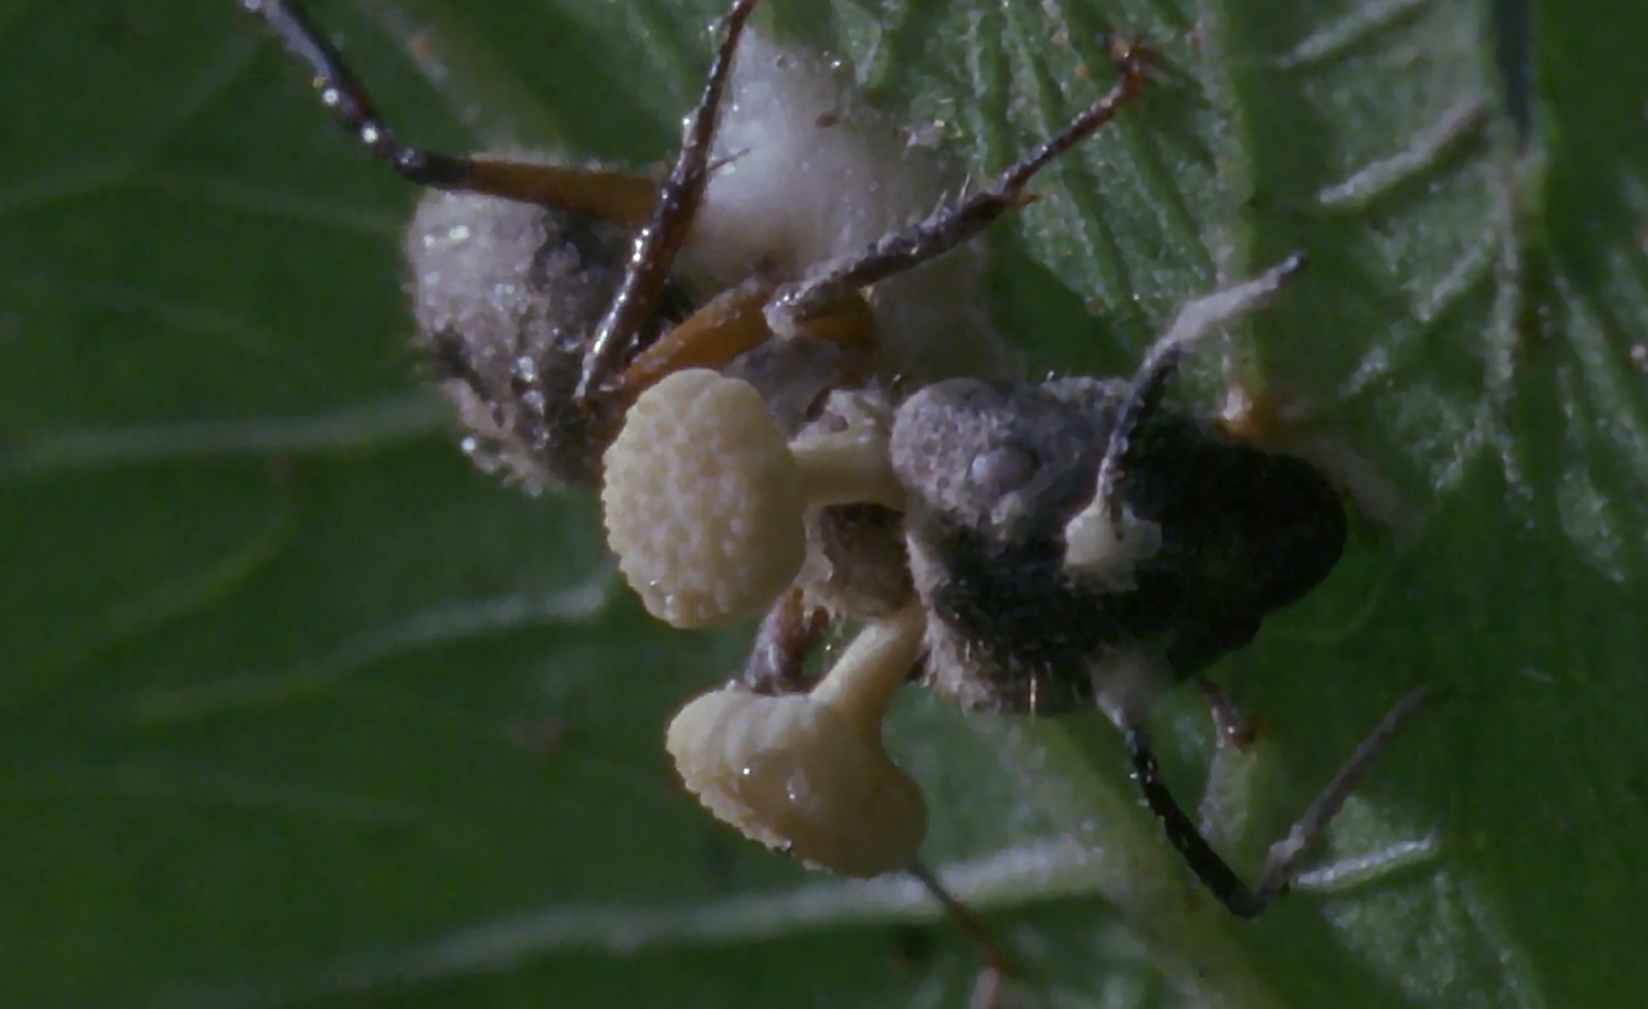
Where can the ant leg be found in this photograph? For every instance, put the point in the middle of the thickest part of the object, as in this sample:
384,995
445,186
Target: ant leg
731,324
1213,871
789,632
667,225
1211,868
1285,854
592,192
997,964
954,224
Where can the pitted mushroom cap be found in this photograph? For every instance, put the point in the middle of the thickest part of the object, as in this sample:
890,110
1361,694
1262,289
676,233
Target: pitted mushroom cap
702,503
799,777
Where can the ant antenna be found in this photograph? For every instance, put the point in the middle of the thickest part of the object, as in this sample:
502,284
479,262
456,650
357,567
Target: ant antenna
605,195
1210,867
349,101
1195,322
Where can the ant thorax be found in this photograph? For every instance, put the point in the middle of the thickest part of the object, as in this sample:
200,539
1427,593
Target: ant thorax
507,294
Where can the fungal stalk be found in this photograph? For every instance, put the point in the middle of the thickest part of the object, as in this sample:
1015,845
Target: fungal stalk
807,773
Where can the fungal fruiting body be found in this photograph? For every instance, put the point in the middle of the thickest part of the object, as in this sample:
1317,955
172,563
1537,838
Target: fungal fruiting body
806,773
705,498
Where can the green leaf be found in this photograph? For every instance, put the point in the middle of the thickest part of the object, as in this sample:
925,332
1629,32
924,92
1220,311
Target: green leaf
298,709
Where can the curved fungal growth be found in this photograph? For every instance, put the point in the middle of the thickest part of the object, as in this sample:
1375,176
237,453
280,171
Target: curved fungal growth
807,773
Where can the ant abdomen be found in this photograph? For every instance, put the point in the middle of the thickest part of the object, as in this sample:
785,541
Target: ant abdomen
506,296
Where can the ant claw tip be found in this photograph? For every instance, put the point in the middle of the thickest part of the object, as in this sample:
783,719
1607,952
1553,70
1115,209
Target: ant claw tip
1127,52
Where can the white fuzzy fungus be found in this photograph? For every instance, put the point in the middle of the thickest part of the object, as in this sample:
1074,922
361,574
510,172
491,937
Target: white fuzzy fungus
807,173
